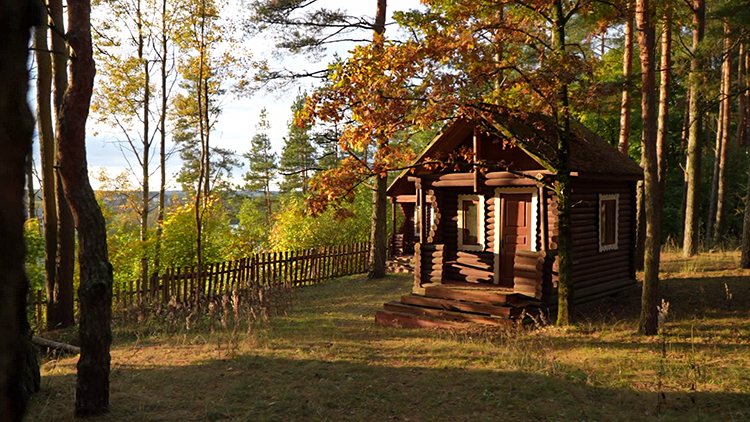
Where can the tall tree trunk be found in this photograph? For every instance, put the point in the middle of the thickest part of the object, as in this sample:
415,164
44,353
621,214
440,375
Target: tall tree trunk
47,154
145,153
201,191
726,100
162,138
649,301
95,291
30,193
662,134
565,289
715,176
65,260
742,97
379,232
627,70
16,128
692,208
745,255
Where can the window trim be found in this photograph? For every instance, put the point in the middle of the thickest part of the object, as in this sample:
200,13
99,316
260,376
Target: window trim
602,199
481,223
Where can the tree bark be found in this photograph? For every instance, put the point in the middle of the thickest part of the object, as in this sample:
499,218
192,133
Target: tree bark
30,193
17,17
565,288
726,100
627,70
692,206
47,154
741,97
95,291
65,260
662,135
162,138
745,255
379,232
648,323
715,176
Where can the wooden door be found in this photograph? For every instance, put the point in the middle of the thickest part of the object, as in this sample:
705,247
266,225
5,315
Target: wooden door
515,232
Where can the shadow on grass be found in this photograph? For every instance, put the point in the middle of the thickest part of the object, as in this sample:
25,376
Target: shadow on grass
327,360
257,388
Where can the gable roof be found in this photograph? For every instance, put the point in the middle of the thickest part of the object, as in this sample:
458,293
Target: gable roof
590,154
536,134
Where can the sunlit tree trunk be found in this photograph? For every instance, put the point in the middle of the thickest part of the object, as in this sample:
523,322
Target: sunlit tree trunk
692,206
95,291
649,301
379,232
662,134
726,100
715,176
627,70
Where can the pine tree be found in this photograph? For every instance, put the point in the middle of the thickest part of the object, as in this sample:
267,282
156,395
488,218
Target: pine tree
298,155
262,162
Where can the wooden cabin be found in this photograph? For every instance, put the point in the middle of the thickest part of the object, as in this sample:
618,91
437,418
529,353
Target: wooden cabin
484,235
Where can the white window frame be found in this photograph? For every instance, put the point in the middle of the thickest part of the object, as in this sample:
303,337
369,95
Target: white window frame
602,198
481,226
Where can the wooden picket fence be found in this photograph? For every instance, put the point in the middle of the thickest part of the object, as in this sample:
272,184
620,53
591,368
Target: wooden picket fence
185,284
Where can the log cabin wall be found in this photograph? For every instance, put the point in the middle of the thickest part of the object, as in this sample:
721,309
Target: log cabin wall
596,273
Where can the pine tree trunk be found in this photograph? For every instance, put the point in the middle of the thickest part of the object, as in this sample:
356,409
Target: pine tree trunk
95,291
742,118
65,260
649,300
692,206
715,178
16,128
726,100
565,288
379,233
627,70
47,154
662,135
745,256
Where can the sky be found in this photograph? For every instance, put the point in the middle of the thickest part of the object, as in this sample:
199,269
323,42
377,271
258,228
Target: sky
236,125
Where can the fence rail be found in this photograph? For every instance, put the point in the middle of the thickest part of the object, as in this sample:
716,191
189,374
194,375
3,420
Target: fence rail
184,284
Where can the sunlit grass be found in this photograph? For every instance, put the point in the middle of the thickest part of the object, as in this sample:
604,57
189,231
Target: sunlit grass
326,359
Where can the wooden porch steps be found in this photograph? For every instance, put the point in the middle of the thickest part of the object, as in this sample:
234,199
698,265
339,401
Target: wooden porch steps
455,306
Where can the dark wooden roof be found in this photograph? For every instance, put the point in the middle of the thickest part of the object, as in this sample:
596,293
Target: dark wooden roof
590,155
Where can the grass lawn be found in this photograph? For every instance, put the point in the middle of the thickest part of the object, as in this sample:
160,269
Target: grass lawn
326,360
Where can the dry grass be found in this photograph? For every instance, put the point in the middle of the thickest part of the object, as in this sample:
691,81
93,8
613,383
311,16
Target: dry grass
327,361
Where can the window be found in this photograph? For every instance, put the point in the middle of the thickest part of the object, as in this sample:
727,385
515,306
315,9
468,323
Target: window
608,225
471,222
